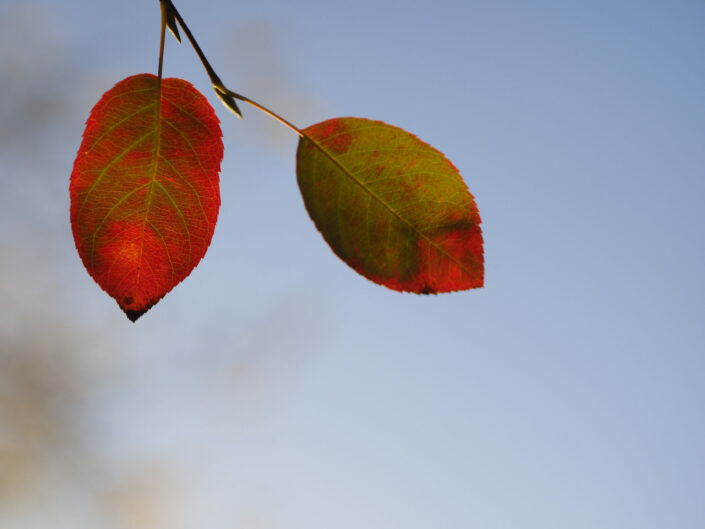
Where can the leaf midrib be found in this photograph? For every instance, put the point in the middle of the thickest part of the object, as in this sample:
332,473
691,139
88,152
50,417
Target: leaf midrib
152,180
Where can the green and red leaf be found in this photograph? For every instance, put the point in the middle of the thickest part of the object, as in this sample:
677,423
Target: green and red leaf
391,206
144,188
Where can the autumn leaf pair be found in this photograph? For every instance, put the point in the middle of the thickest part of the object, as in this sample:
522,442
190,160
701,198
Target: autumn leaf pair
145,196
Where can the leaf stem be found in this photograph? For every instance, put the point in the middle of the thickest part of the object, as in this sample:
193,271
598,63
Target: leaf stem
264,109
162,34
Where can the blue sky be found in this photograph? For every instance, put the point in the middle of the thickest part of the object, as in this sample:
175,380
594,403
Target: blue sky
276,388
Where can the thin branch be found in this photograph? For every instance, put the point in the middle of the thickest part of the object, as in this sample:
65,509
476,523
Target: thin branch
226,95
218,86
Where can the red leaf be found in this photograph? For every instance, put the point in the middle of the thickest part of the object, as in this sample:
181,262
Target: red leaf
144,188
391,206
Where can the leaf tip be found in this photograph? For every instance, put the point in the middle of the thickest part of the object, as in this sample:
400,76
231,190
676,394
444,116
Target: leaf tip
140,308
133,315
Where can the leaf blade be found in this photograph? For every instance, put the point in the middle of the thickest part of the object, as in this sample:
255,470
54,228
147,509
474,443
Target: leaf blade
391,206
144,188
